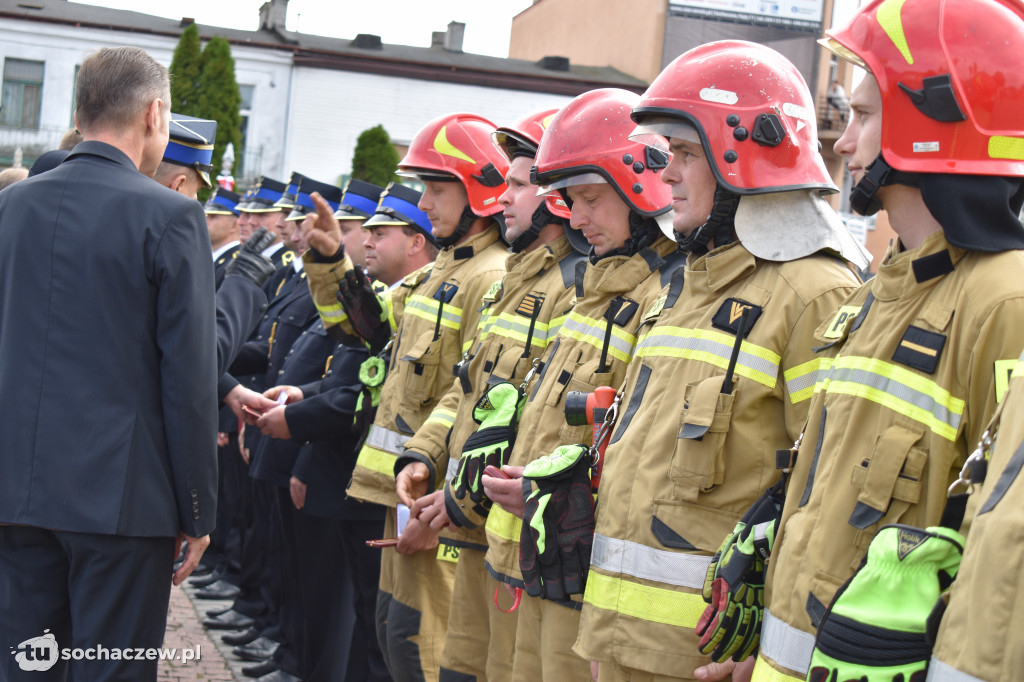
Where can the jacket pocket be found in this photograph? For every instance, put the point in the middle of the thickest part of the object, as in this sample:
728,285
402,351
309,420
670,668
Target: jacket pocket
698,462
692,527
421,368
889,483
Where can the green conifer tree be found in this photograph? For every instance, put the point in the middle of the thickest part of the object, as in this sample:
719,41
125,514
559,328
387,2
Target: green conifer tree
185,69
219,99
375,158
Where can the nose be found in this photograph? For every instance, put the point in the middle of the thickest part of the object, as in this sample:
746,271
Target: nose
506,197
577,217
670,174
846,145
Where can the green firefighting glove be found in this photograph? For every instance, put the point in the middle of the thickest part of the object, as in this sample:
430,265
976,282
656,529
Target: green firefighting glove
876,627
365,313
372,372
249,261
558,524
730,626
497,412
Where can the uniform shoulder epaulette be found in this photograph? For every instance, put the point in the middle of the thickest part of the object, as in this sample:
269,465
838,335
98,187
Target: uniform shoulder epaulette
414,279
567,266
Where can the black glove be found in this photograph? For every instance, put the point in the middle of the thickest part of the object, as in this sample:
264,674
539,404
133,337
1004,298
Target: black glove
364,310
249,262
558,524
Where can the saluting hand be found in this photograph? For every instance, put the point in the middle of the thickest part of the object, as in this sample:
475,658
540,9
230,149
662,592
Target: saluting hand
325,237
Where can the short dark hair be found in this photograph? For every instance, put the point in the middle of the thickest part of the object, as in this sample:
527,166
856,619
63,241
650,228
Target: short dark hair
428,245
115,83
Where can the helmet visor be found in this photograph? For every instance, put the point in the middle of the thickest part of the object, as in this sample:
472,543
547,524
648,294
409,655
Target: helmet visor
572,181
841,51
657,130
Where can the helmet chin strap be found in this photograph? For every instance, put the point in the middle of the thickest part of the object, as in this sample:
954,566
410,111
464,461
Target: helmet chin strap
466,221
717,228
878,174
541,218
643,231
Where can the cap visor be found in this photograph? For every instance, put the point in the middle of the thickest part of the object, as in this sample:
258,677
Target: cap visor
382,219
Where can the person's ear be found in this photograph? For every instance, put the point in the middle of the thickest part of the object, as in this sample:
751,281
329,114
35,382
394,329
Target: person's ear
154,115
417,244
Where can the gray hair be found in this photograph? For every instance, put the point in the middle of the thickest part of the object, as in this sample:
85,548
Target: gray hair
115,84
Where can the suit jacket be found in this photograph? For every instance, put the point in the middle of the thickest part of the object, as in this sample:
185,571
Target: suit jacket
108,360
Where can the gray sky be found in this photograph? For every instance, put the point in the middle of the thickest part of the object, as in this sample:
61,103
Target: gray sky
402,22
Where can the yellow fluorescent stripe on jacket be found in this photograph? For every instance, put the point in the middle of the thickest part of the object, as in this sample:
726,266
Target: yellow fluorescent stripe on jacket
441,416
713,347
589,330
801,380
376,460
643,601
898,389
422,306
503,524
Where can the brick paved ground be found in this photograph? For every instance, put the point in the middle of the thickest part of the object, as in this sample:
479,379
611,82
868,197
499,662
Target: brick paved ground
185,630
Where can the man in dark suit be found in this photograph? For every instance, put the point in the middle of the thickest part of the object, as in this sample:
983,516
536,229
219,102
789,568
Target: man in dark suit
108,378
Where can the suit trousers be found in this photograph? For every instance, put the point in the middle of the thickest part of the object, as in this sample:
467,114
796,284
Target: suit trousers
87,591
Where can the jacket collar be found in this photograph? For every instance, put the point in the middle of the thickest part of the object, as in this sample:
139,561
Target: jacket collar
621,274
897,275
465,249
722,267
103,150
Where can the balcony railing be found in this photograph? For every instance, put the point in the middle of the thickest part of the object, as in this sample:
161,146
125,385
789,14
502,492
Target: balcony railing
31,141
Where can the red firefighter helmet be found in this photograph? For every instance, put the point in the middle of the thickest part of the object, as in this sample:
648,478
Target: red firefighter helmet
459,146
588,141
951,97
524,135
751,110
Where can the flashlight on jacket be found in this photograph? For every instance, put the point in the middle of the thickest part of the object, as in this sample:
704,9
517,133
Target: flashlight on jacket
592,408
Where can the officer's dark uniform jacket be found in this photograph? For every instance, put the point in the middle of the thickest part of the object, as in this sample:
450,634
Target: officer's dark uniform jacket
617,288
979,638
922,355
303,362
521,317
220,264
107,390
686,460
325,419
435,314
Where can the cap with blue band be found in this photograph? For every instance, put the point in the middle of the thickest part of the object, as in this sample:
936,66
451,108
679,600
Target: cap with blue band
222,202
262,196
398,206
304,204
359,200
190,144
287,200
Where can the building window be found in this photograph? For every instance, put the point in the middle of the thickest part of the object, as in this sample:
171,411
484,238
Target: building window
23,93
244,110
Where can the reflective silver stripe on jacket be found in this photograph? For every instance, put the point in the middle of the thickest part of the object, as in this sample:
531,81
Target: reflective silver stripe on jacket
942,672
453,468
789,647
388,441
640,561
